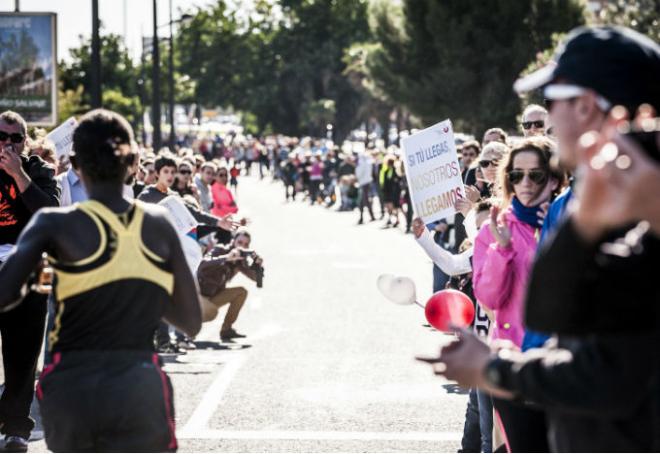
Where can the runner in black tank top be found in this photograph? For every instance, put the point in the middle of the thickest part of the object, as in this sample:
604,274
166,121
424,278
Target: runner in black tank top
119,269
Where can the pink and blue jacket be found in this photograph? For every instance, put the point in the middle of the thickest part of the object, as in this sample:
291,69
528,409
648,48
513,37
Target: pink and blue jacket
500,276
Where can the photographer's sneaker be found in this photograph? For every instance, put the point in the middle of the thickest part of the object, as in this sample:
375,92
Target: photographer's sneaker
14,443
229,334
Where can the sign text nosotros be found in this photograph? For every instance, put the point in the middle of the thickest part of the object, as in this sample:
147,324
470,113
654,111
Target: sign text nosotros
440,202
439,174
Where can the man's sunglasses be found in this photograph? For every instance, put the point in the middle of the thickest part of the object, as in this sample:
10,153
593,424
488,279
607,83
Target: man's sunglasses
537,176
538,124
485,163
15,137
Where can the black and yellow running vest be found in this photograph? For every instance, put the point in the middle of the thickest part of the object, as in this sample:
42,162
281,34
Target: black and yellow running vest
113,299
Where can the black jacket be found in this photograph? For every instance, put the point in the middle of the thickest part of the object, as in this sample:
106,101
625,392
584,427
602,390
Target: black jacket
598,380
152,195
16,208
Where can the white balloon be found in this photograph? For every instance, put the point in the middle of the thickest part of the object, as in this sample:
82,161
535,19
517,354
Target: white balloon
399,290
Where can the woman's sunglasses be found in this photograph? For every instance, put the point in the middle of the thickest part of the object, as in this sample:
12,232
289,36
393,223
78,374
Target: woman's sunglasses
222,175
14,138
185,171
486,162
538,124
537,176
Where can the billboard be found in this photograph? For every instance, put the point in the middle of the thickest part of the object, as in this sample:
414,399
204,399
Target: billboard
28,66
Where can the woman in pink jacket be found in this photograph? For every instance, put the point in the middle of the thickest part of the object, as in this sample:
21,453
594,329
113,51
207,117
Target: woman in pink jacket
505,246
223,200
502,260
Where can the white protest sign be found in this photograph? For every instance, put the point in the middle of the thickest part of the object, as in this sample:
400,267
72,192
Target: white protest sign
179,215
433,171
62,137
192,251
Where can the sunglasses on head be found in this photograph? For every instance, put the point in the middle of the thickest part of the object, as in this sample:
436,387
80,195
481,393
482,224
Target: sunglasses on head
14,137
537,176
538,124
488,162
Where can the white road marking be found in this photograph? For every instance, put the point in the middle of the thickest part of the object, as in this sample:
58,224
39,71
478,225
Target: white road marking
213,396
311,435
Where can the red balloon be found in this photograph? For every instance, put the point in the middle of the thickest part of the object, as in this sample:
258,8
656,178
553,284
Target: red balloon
449,307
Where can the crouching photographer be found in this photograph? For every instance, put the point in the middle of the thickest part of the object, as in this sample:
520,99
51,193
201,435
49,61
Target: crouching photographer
218,267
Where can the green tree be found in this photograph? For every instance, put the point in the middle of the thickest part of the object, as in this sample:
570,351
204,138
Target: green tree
458,58
119,78
277,60
70,103
640,15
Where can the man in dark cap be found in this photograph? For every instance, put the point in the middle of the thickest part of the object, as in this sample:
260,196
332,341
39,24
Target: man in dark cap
593,282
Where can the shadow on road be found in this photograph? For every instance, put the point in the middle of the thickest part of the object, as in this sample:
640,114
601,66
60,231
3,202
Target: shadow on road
206,345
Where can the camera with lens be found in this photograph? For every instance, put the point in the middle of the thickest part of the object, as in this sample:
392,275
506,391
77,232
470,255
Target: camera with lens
251,262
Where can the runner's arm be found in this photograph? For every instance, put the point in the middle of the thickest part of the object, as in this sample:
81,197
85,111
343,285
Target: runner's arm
17,269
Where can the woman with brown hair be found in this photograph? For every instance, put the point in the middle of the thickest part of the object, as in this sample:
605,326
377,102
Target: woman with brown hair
503,255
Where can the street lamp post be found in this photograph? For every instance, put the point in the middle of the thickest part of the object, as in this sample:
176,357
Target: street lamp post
155,73
95,70
171,83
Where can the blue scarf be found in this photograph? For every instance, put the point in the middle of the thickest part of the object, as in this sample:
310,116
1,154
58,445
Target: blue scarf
528,215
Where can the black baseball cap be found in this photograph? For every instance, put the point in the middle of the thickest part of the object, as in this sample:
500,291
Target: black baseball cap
620,64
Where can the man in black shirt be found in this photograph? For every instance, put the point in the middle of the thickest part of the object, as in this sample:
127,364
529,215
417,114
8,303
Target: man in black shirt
26,185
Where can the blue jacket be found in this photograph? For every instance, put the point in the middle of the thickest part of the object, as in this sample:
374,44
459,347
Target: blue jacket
553,217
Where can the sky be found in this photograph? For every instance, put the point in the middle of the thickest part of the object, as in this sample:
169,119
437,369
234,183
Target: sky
74,18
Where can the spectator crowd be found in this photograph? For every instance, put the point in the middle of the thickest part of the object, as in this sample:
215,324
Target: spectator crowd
555,241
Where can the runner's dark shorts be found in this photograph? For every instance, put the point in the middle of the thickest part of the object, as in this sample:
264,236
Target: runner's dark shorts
107,401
